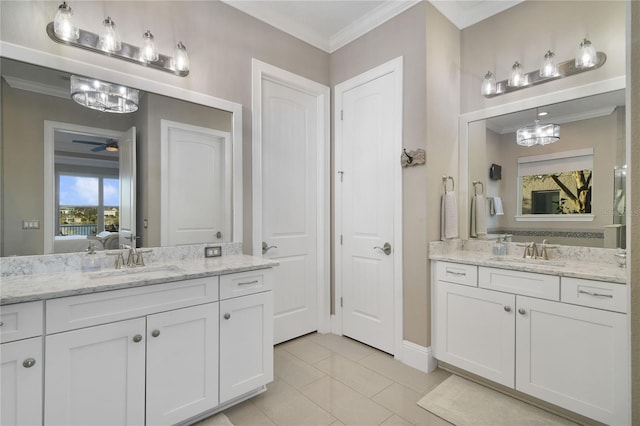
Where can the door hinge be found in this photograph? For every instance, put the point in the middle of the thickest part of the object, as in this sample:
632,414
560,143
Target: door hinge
341,305
341,173
341,114
340,239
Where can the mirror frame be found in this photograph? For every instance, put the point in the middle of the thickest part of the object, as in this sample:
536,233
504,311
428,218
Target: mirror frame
595,88
35,57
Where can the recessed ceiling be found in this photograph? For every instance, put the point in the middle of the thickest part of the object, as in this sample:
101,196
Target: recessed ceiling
331,24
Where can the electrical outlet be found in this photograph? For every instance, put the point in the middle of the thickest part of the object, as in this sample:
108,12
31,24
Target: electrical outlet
214,251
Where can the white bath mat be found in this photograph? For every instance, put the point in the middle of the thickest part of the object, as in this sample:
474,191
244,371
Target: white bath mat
465,403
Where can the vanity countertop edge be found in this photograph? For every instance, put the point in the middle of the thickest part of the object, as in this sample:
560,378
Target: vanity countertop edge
573,269
29,288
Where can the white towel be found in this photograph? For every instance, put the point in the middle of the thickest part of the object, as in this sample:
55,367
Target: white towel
449,217
495,206
478,216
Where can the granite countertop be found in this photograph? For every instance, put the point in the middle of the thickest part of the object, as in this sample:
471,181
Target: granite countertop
26,288
561,267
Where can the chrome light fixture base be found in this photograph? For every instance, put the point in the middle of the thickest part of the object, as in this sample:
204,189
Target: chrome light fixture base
533,78
89,41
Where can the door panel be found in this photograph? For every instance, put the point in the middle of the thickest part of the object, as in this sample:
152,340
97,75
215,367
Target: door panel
368,160
289,204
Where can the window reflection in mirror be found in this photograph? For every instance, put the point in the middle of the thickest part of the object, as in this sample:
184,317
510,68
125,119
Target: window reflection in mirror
558,193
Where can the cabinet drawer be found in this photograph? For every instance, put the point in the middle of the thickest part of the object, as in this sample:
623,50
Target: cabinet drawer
73,312
457,273
517,282
594,294
21,321
243,283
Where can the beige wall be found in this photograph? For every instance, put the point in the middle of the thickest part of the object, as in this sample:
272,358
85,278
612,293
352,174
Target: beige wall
525,32
220,39
633,214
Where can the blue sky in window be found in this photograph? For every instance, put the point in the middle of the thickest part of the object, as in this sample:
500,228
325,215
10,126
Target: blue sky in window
83,191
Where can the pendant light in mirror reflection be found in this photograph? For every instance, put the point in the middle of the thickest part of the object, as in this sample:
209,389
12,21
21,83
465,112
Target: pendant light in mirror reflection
538,134
102,96
587,59
108,43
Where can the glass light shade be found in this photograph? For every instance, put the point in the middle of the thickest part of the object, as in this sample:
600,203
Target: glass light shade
489,84
62,25
517,77
109,40
149,51
549,66
538,134
102,96
181,59
586,56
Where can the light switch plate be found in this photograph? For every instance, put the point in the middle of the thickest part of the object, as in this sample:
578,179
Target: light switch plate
214,251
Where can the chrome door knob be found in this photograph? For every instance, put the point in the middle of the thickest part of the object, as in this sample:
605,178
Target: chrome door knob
386,248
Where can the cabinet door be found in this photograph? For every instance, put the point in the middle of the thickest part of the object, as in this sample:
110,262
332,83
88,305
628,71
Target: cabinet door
475,330
182,363
95,375
246,344
21,392
575,357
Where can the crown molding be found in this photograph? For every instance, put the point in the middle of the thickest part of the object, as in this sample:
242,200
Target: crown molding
464,14
32,86
368,22
560,119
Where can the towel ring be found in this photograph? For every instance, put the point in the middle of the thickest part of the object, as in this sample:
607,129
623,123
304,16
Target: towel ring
444,183
475,187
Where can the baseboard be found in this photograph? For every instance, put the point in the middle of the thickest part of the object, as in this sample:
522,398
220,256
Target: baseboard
418,357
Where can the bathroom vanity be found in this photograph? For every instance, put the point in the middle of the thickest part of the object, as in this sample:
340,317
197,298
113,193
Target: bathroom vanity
555,330
163,344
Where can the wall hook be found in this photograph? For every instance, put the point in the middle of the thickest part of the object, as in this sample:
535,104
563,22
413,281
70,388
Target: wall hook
409,158
412,158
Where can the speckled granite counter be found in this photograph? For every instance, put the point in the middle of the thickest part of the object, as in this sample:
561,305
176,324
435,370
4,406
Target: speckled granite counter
565,261
25,288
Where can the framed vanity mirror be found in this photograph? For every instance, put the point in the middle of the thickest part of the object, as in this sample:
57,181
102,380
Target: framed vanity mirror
569,192
73,175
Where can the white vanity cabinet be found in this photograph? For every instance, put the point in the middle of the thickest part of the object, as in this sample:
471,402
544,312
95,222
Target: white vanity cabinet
562,340
246,332
21,364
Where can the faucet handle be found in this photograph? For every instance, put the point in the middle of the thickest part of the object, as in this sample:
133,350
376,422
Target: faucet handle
119,260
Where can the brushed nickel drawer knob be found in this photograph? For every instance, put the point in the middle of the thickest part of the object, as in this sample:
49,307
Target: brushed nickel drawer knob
155,333
227,316
521,311
507,308
29,362
137,338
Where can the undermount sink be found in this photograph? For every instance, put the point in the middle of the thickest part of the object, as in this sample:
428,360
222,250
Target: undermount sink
528,261
150,271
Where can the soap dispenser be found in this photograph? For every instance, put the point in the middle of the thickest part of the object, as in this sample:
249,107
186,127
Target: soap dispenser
90,261
499,248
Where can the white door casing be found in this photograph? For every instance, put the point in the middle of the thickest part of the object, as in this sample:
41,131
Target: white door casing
195,184
127,172
368,203
290,195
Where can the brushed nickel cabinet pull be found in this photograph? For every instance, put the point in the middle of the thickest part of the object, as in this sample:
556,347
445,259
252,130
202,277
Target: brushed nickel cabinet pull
610,296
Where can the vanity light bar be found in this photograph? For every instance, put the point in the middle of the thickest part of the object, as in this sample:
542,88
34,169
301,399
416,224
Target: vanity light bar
565,69
89,41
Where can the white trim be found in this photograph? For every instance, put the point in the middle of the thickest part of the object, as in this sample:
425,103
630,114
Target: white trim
555,218
263,71
418,357
32,56
590,89
32,86
394,66
556,155
49,178
368,22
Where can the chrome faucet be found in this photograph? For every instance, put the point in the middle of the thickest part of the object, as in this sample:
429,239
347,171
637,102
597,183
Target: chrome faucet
543,250
530,251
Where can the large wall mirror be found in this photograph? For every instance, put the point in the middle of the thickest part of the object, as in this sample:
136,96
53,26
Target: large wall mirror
571,192
70,174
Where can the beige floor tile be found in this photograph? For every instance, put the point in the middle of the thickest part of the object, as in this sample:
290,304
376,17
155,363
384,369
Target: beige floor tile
293,370
354,375
341,345
306,350
396,420
286,406
395,370
337,423
346,404
247,414
403,401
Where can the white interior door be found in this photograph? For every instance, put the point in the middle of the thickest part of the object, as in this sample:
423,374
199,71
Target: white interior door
290,198
127,166
368,139
196,189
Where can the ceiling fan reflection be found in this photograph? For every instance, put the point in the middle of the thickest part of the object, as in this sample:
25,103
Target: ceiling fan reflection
110,145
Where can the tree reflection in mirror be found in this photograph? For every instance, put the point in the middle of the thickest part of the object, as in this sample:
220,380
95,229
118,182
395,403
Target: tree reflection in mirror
566,192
